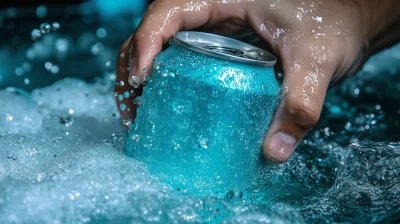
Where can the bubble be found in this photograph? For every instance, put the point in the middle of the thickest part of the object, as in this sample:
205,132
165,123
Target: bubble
356,91
108,63
55,26
26,81
71,111
36,34
134,81
101,33
203,143
45,28
55,69
41,11
121,83
19,71
120,97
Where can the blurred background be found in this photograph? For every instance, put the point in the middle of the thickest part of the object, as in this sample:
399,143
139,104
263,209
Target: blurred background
85,45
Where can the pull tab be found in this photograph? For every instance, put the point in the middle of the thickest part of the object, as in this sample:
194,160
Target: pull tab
224,50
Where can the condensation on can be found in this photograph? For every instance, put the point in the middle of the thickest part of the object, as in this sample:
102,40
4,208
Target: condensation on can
205,112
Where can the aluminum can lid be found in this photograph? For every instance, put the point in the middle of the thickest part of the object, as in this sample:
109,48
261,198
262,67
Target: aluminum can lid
224,48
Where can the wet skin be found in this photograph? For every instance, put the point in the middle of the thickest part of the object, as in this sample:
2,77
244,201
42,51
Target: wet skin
318,43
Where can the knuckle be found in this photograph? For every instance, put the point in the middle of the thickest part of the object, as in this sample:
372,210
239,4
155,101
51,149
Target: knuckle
307,112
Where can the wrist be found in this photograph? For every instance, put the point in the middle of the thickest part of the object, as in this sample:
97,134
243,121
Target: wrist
381,15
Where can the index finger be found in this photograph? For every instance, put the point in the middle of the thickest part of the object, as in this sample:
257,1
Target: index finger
160,22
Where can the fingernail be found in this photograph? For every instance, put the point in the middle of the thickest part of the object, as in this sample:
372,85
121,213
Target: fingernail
281,146
134,81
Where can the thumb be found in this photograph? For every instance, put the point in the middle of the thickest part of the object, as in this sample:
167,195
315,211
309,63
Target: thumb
308,72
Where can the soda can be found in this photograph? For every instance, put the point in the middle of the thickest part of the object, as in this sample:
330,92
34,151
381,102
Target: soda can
204,113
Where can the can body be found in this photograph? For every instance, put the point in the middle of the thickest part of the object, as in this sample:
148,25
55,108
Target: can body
202,121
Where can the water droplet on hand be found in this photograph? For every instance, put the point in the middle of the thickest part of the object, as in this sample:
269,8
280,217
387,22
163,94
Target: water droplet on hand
122,106
134,81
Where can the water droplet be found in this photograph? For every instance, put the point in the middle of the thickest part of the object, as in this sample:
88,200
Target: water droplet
108,63
26,81
27,66
41,11
122,106
203,143
120,97
134,81
55,26
70,111
97,48
127,122
356,91
127,94
101,33
62,45
138,100
177,108
9,117
121,83
45,28
280,76
146,78
135,138
35,34
144,70
55,69
48,65
19,71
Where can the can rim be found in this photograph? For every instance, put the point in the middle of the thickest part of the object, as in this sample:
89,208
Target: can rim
224,48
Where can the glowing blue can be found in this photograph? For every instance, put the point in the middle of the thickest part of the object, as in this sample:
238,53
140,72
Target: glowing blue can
204,113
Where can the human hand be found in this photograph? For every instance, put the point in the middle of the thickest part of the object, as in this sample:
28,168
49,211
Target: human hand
317,43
